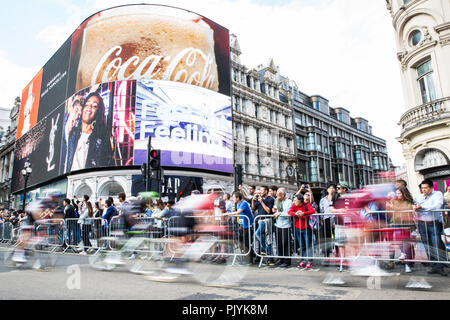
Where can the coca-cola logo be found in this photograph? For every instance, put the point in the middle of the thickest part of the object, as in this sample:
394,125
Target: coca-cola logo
114,67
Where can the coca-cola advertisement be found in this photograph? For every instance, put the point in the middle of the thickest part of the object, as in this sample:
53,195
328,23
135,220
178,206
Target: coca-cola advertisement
41,146
176,59
150,42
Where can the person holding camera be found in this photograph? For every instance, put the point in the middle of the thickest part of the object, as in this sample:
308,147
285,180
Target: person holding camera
262,205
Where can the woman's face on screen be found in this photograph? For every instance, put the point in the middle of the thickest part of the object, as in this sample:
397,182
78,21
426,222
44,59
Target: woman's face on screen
90,109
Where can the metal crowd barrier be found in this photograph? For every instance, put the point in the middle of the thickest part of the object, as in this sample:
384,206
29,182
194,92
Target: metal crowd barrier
233,240
143,227
51,229
6,232
381,235
86,233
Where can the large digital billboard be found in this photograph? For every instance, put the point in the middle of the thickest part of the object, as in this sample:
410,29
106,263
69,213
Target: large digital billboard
125,74
191,125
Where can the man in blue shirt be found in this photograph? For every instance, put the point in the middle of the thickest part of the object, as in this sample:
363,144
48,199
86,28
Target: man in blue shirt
245,223
110,211
430,224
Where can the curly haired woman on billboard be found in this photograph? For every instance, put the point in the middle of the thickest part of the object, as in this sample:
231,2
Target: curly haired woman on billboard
89,145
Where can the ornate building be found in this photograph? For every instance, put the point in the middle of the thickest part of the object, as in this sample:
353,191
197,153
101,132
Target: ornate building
284,137
262,123
7,142
422,31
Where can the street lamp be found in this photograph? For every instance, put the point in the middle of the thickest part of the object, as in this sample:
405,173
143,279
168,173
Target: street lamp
26,171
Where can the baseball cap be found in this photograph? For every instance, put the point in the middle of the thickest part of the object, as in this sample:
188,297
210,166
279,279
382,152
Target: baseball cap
344,185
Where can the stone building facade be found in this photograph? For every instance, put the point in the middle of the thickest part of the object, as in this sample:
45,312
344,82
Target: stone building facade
422,32
7,143
262,123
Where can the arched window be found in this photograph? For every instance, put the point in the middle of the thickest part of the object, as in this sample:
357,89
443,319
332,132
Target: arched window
430,158
82,190
110,189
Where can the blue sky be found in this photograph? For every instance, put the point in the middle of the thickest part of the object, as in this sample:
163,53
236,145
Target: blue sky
343,50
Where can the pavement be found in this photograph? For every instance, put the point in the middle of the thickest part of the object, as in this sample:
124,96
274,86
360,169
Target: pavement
74,279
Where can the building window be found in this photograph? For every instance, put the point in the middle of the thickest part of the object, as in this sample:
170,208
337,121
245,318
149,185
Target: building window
236,103
426,83
300,143
311,142
358,159
256,110
340,117
316,105
376,163
415,37
337,151
298,120
313,175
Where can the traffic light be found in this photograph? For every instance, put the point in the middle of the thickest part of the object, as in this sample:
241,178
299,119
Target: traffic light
154,165
155,159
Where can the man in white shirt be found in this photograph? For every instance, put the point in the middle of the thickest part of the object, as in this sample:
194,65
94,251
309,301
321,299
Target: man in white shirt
280,209
430,224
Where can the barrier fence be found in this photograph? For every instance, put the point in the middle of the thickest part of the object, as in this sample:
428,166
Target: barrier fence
6,232
379,235
387,236
232,239
86,233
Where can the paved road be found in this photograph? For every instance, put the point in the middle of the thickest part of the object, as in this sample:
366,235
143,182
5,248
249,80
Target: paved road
265,283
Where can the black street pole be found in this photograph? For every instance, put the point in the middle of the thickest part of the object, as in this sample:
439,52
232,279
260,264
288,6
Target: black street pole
148,181
25,192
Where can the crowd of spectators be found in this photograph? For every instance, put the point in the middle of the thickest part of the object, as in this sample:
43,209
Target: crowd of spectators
282,224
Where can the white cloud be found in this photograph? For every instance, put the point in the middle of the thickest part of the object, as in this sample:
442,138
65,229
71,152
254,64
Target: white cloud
54,36
17,79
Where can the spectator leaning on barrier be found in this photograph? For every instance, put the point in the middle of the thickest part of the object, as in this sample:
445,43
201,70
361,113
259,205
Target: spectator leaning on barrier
340,220
85,220
301,211
245,215
430,224
72,227
327,220
110,211
262,205
402,216
282,218
123,203
313,220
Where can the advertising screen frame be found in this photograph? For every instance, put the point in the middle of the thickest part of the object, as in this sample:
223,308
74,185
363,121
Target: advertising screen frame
222,52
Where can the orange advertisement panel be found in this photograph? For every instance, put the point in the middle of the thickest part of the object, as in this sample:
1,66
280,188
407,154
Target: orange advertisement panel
29,106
